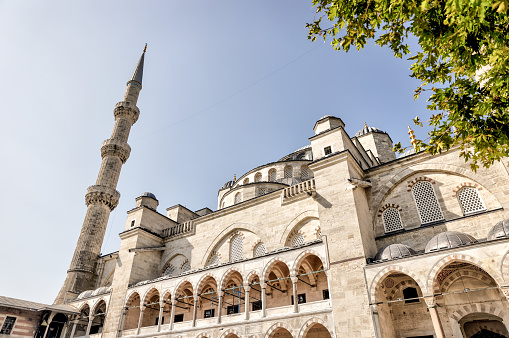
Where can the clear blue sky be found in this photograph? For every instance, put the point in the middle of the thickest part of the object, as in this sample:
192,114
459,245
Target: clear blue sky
228,85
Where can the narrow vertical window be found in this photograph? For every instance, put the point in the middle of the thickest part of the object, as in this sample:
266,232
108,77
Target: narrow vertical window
8,325
427,203
288,172
304,172
246,181
470,200
186,266
236,248
272,175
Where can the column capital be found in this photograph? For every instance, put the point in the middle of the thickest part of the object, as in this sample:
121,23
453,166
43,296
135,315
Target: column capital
294,279
430,301
247,288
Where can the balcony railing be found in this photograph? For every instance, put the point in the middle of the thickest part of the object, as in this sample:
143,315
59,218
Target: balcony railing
304,187
179,229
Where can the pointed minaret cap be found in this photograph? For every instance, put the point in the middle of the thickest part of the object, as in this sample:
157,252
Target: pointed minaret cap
138,72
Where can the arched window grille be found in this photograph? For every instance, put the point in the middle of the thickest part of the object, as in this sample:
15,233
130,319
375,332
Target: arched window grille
288,172
392,220
170,270
470,200
236,248
297,240
186,266
238,197
259,250
213,260
272,175
427,203
246,180
258,177
304,172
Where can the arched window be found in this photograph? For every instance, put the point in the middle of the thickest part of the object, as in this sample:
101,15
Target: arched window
259,250
236,248
427,203
272,175
258,177
213,260
470,200
304,172
288,171
392,220
261,191
246,181
186,266
297,240
238,197
410,295
169,270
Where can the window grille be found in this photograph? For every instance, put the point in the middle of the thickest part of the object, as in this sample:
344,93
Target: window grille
261,191
213,260
288,172
259,250
427,203
246,181
8,325
410,294
304,172
392,220
272,175
258,177
470,200
238,198
327,150
236,248
186,266
169,271
297,240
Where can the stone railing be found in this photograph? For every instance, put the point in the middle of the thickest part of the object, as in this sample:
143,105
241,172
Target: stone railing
179,229
304,187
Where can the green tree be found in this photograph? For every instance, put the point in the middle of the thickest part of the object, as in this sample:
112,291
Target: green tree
463,60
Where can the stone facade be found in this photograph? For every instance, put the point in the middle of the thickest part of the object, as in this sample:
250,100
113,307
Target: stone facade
338,239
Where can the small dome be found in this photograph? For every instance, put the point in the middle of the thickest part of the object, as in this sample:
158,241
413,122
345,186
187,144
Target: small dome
407,152
85,294
228,184
101,290
448,239
394,251
148,194
367,130
500,230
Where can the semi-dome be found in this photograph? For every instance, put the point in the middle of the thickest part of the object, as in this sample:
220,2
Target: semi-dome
394,251
148,194
367,130
448,239
499,230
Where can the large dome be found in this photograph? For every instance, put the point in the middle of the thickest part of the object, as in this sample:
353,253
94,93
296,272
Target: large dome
367,130
394,251
499,230
448,239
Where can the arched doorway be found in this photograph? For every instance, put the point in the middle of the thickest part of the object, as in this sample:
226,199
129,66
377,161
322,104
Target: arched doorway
481,325
317,330
132,315
208,298
233,294
398,297
184,303
312,283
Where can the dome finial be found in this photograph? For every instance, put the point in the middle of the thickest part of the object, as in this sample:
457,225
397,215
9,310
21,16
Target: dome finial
413,142
365,125
234,178
145,49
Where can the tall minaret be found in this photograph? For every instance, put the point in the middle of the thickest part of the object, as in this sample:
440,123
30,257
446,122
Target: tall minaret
103,197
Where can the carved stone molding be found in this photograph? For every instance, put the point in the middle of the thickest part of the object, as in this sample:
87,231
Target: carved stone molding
98,194
430,301
115,148
128,110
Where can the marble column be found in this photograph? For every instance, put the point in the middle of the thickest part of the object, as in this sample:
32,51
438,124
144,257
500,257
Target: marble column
435,318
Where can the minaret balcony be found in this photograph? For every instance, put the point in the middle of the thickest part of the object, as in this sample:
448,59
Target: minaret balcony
116,148
98,194
128,110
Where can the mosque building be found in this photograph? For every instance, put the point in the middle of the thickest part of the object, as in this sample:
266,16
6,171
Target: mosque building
338,239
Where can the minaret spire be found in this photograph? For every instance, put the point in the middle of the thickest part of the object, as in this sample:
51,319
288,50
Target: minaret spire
103,197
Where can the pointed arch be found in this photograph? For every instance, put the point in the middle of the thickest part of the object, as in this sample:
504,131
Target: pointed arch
229,332
387,271
270,265
435,270
97,304
478,308
149,293
301,257
293,223
272,330
180,287
227,275
309,324
203,281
